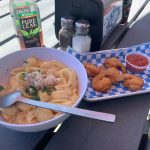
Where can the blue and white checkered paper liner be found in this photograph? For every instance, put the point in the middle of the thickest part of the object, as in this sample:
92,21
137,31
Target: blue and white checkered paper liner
118,90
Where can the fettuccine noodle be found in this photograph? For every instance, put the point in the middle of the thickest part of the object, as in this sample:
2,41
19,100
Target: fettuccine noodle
47,81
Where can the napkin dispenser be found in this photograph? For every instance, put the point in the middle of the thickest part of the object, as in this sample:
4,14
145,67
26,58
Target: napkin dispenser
103,15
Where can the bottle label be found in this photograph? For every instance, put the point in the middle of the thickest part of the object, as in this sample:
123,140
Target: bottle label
20,4
22,7
30,29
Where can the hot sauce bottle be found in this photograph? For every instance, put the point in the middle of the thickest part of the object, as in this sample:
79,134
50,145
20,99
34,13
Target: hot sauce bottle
27,22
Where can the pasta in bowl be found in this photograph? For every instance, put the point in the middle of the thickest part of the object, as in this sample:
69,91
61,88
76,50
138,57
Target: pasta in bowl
43,74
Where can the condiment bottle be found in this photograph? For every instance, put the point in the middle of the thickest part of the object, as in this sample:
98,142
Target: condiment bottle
81,41
66,32
27,22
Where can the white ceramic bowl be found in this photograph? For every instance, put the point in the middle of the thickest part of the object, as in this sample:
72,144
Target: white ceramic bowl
16,59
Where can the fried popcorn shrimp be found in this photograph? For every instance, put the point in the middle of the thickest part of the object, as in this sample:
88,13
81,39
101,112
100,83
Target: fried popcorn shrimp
113,74
132,82
102,70
101,83
114,62
92,70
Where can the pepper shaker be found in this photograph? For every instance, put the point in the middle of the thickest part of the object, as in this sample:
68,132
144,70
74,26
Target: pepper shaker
66,32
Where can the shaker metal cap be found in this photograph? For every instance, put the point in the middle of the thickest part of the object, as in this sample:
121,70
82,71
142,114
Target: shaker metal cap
67,20
82,24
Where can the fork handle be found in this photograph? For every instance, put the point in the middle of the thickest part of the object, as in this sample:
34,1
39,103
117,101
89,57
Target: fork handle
72,110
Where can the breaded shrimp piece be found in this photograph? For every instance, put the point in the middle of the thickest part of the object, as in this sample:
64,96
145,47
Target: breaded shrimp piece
132,82
92,70
113,74
102,69
101,83
114,62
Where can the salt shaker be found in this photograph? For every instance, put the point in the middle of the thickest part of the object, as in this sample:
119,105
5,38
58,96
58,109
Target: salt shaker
66,32
81,41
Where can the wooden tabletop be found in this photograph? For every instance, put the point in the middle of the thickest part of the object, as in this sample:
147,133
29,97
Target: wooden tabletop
126,132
